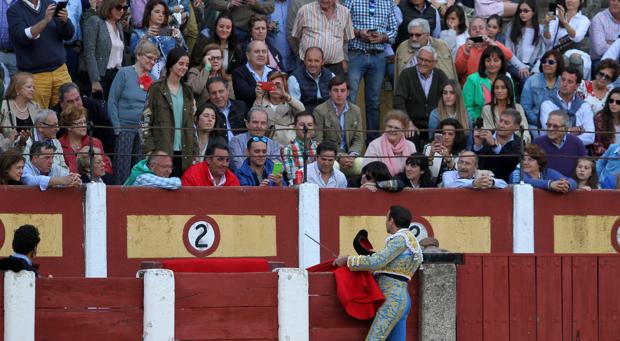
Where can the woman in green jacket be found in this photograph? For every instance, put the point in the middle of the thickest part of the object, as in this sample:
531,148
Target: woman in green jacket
477,89
168,121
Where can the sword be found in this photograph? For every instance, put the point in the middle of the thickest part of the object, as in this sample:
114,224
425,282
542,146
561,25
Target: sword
321,245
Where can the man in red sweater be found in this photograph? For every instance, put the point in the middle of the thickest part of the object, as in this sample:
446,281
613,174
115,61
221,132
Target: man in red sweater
468,55
213,171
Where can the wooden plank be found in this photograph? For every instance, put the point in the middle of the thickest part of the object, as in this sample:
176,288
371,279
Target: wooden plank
226,290
338,334
231,323
585,298
76,293
469,299
94,325
549,298
321,283
522,298
567,298
327,312
608,298
495,298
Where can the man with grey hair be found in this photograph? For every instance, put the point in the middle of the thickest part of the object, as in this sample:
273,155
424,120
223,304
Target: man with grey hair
418,91
419,36
256,124
563,149
46,128
418,9
246,77
154,171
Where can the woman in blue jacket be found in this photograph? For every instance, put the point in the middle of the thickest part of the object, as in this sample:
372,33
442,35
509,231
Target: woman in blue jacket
538,175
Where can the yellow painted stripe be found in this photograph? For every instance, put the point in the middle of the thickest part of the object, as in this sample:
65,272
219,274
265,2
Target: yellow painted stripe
583,234
49,226
457,234
159,236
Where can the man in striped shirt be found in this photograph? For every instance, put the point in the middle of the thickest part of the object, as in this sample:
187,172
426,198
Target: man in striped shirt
324,24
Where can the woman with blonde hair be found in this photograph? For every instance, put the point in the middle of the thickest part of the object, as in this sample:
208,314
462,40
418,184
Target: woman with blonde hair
280,106
391,148
125,104
212,66
17,111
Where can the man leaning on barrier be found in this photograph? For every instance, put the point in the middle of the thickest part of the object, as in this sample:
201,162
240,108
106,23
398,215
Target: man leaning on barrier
469,176
154,171
41,171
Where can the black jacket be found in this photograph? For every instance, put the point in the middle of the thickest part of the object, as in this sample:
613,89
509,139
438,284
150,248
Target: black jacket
15,264
236,117
244,85
499,164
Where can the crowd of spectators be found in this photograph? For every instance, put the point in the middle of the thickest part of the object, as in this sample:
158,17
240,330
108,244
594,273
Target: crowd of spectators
265,93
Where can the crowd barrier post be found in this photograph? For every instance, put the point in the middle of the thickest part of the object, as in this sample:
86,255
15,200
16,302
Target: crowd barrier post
19,297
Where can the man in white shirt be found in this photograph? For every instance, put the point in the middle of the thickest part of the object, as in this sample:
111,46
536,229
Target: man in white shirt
322,171
41,171
468,175
581,118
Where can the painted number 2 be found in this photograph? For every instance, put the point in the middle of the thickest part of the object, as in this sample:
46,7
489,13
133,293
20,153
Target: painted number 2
199,242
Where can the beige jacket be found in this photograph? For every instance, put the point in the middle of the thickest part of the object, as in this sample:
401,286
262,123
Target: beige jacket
444,58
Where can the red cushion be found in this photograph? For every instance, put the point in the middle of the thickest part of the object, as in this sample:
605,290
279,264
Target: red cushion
217,265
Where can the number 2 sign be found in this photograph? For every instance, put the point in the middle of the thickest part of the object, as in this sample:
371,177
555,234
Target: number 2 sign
201,236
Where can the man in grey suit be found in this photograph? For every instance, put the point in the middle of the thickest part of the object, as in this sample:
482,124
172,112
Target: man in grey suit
340,121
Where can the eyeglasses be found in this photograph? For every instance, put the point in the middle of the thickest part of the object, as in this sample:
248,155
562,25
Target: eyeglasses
79,123
50,125
555,126
372,7
604,76
614,101
549,61
122,8
259,139
215,58
524,10
422,60
417,35
164,166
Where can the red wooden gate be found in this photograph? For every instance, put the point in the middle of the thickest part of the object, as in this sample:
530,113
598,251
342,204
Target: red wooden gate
538,297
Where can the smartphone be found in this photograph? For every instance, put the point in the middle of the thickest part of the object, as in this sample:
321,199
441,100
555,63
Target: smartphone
439,138
60,5
373,31
552,7
267,86
476,39
277,168
479,123
165,31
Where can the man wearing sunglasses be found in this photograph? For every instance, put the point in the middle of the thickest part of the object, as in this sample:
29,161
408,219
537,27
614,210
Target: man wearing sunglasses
213,171
581,118
257,169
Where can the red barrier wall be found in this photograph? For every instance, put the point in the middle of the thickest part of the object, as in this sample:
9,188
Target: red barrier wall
58,213
226,306
201,202
591,234
542,297
496,204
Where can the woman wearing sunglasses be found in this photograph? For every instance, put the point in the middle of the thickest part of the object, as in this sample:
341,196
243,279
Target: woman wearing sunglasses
103,45
607,122
595,92
540,86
